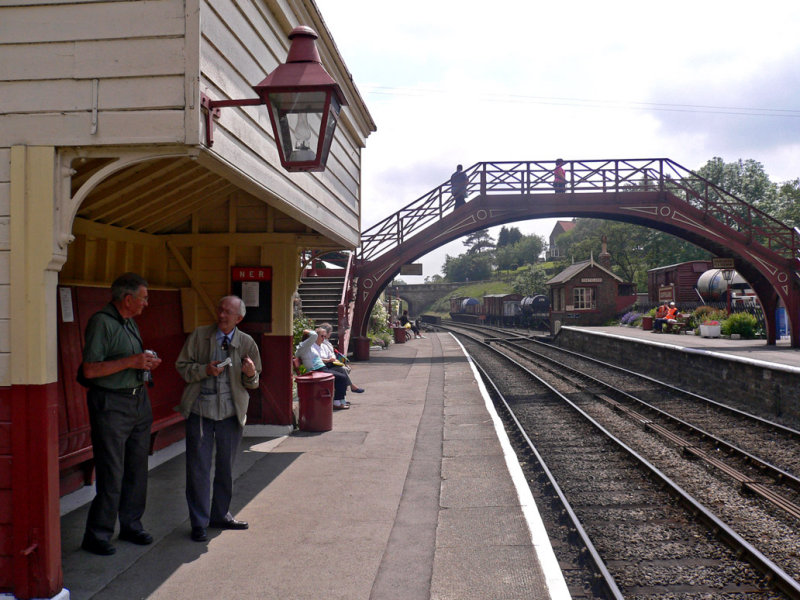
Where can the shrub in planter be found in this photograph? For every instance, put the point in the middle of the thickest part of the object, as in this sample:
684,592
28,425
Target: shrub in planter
630,318
742,323
710,328
702,314
298,325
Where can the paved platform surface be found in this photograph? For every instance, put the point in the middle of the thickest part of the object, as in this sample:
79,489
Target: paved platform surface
412,495
750,350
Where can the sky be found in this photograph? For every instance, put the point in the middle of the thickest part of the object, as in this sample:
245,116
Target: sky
465,81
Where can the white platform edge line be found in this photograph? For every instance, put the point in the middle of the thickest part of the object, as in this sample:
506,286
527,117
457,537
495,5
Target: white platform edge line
554,577
731,357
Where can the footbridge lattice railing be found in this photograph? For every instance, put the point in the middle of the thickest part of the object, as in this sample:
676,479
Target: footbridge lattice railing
587,176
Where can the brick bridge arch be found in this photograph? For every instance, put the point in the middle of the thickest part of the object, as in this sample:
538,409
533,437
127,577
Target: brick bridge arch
423,294
655,193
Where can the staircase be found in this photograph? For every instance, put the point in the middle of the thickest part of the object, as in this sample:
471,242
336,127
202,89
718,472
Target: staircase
320,297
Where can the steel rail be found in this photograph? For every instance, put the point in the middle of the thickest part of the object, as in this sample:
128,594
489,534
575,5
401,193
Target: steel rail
719,528
794,433
608,582
781,476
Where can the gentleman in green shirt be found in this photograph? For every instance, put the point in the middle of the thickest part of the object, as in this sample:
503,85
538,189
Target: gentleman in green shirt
117,366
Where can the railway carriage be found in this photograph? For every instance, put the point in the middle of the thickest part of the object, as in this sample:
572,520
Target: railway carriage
502,309
466,309
678,281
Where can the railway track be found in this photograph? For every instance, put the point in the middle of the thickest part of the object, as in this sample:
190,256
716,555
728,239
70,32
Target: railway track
656,504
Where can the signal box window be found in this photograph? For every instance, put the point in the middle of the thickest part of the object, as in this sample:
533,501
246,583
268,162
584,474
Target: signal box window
584,298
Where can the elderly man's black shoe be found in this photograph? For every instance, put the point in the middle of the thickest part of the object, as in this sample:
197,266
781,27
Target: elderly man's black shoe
229,524
101,547
136,537
199,534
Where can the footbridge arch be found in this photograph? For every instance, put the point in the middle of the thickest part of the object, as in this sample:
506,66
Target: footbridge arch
657,193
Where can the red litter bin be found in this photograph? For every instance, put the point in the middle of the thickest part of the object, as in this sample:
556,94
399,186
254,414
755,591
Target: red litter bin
315,392
362,348
399,335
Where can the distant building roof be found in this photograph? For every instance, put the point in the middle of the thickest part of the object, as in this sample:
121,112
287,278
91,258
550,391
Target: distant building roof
572,270
566,225
688,262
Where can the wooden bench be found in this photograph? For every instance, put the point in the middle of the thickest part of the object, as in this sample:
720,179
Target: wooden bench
679,326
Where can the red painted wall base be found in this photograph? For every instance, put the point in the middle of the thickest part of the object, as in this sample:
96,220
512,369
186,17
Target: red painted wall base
272,403
36,527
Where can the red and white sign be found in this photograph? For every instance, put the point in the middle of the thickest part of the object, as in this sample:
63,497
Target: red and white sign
251,273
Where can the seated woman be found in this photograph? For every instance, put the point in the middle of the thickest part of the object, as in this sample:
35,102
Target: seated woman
328,355
307,352
404,320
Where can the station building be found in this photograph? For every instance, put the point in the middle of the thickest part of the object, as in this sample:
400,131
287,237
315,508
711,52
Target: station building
106,167
588,293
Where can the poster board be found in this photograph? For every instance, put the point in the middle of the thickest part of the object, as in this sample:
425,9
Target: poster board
254,286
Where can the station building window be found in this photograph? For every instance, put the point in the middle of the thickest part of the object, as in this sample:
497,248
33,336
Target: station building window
584,298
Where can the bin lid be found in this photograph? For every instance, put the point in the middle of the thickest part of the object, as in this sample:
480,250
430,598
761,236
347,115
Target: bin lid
313,377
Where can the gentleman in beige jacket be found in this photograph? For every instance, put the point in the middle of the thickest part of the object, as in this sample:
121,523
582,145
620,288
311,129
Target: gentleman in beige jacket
219,363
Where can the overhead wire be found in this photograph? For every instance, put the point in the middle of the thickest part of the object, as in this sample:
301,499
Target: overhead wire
592,103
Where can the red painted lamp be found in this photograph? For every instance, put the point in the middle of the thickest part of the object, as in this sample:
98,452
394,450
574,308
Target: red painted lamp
303,102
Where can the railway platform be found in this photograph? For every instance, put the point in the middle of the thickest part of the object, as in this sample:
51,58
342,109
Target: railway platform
754,351
414,494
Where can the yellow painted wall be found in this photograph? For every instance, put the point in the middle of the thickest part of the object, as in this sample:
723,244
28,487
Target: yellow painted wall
32,294
198,260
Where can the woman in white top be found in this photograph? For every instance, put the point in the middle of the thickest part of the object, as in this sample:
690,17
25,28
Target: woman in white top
328,356
307,351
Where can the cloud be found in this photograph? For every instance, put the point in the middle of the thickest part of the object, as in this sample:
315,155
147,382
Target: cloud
754,112
465,81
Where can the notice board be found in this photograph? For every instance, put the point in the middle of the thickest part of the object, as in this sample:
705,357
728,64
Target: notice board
254,286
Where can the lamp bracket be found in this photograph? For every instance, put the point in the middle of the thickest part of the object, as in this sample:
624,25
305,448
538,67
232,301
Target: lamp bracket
212,108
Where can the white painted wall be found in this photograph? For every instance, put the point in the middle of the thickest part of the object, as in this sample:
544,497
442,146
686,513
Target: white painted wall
58,62
5,276
130,72
242,42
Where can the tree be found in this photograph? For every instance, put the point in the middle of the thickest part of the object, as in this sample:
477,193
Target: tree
467,267
746,180
525,251
508,237
528,249
505,258
787,205
530,282
633,249
478,242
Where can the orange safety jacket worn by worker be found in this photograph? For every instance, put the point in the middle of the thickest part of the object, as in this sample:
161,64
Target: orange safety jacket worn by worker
672,313
661,311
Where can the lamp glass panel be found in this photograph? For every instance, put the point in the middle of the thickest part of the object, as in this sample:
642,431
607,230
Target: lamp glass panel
299,118
330,127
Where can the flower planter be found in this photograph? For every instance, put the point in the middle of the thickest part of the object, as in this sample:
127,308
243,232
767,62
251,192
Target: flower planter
710,331
647,323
